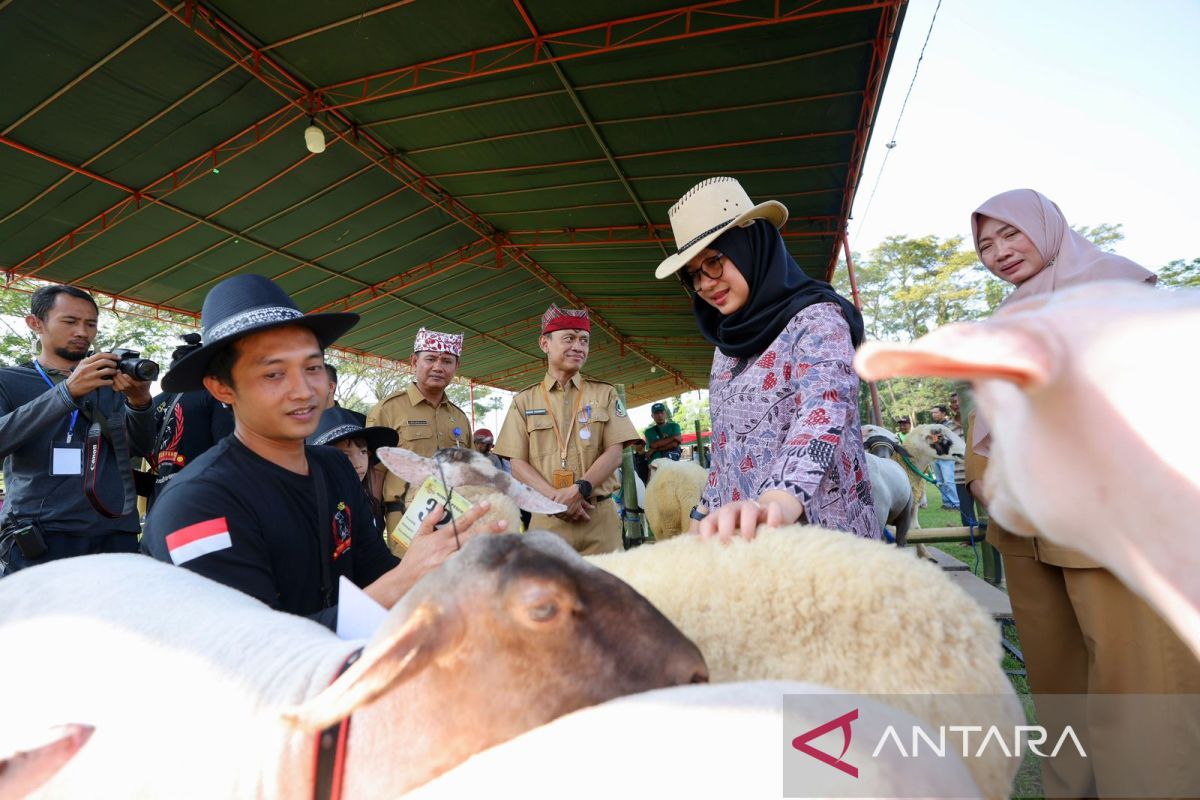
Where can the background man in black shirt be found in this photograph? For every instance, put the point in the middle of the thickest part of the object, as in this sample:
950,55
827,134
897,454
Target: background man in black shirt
46,408
260,511
188,423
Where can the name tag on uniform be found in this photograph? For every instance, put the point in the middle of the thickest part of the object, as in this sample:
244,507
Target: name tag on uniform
532,412
66,458
418,422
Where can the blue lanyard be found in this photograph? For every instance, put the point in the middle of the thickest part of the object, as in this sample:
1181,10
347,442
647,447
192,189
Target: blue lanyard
50,383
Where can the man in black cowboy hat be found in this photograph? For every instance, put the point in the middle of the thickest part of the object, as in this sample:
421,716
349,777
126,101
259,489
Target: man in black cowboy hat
260,511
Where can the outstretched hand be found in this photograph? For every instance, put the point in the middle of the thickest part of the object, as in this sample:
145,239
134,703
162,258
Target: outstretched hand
741,518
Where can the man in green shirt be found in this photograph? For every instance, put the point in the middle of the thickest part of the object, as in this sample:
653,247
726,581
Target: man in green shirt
663,438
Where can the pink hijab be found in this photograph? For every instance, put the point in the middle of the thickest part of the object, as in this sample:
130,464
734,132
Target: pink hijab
1070,259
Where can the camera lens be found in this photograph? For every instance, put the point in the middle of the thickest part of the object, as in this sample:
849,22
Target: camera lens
140,369
145,370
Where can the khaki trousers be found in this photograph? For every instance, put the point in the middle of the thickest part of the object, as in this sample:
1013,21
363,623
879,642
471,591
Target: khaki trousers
1082,631
602,534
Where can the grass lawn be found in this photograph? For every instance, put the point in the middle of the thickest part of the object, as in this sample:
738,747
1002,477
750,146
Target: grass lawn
1028,782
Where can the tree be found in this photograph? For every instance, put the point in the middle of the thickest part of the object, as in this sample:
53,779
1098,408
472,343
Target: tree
121,324
687,409
1104,235
1180,274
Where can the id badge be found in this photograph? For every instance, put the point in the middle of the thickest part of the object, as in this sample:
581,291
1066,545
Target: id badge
66,458
563,478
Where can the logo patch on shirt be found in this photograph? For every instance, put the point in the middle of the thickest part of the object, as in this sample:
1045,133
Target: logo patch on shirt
198,540
341,530
620,408
532,412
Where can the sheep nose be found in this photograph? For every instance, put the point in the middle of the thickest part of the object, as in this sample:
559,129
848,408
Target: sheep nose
687,668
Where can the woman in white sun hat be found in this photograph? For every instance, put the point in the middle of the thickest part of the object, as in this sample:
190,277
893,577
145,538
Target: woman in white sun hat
786,440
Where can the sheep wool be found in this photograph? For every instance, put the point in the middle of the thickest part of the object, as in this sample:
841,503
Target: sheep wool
502,508
805,604
674,488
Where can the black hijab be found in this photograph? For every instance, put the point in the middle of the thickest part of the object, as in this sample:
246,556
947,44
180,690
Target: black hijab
779,290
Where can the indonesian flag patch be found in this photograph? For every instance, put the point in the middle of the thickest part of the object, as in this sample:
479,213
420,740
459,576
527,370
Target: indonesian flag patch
198,540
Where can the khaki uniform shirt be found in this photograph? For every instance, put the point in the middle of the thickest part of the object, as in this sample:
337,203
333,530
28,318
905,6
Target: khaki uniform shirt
423,428
528,434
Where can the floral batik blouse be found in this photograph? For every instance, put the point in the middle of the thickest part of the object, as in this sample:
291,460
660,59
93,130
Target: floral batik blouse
788,419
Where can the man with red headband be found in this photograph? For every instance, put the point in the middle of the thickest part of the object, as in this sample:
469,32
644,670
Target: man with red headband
564,436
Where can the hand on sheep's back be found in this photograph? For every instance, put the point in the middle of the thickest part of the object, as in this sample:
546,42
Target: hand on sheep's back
741,518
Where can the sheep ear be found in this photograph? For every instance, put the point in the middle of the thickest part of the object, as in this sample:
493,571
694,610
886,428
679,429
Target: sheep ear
527,498
22,772
398,651
995,349
406,464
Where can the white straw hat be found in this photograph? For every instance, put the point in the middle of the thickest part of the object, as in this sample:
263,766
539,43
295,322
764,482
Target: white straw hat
709,209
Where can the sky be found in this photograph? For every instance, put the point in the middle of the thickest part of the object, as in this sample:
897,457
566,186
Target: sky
1094,103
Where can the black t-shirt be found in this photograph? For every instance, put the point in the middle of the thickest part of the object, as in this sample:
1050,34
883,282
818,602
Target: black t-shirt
243,521
196,423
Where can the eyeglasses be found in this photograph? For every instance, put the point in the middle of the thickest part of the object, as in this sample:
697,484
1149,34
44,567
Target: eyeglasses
712,267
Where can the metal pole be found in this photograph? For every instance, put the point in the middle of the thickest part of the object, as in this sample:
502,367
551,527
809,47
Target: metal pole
471,385
875,413
631,513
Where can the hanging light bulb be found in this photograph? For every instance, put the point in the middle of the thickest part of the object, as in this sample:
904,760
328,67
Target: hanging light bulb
314,137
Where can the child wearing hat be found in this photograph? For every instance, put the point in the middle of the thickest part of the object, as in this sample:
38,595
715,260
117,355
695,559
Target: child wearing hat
340,428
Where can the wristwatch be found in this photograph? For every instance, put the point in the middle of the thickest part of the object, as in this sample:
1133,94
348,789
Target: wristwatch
585,488
697,515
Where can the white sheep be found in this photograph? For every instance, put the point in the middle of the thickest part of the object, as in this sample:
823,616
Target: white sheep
708,742
806,604
918,448
891,494
674,489
197,690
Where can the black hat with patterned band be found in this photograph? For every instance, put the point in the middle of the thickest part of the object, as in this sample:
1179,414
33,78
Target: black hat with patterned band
242,305
337,424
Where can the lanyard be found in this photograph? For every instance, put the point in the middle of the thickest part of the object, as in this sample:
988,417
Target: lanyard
50,383
562,443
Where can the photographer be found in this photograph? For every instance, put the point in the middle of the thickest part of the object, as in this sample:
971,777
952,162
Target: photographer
50,410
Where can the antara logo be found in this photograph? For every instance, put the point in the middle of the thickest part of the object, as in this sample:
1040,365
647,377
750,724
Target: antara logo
1033,736
1023,736
801,743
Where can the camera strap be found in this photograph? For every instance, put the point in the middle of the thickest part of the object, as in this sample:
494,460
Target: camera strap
168,418
111,428
324,531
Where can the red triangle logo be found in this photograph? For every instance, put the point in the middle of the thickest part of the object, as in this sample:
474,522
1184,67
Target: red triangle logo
801,743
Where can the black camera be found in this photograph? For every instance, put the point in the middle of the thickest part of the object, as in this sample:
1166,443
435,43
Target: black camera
133,365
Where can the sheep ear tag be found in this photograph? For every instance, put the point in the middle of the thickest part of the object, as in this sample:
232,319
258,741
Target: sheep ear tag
406,464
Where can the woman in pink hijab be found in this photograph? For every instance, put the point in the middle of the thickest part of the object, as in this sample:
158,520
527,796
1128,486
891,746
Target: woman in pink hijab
1081,630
